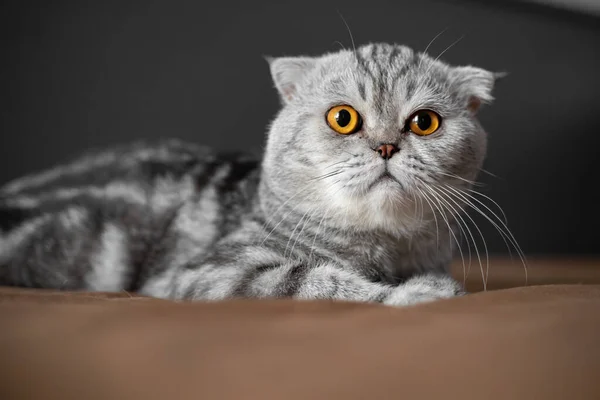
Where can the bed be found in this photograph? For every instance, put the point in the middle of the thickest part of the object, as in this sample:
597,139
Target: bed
540,341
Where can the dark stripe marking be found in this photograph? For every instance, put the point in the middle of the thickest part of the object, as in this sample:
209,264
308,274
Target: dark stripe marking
12,217
242,289
293,280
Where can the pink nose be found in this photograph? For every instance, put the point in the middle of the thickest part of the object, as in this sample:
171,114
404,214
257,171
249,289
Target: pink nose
386,151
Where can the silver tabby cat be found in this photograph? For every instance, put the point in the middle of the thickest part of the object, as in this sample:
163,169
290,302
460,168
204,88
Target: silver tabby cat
342,205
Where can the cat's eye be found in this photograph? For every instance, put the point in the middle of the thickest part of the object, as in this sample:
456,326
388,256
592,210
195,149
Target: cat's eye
424,122
343,119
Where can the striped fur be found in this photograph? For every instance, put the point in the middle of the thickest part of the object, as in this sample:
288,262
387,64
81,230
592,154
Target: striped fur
309,220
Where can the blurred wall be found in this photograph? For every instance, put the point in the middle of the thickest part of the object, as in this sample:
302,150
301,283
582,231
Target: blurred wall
585,6
86,73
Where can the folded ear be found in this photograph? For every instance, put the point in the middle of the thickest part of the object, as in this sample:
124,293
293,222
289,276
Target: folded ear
288,72
475,85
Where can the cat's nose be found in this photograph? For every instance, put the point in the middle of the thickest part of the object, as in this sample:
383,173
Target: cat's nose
386,151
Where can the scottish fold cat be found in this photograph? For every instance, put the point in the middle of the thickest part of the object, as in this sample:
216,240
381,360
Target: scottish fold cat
356,197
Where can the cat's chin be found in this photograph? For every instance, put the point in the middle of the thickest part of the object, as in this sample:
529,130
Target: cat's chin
385,207
388,183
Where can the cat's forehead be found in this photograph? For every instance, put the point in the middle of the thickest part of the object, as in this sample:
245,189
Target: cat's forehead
375,59
385,55
380,72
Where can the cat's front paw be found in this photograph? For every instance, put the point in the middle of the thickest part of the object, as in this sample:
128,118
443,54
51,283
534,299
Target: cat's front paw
424,288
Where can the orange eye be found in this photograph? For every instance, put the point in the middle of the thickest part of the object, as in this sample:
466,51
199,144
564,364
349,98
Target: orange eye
343,119
424,122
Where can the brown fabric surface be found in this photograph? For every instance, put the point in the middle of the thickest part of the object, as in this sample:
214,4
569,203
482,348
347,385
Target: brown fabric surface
537,342
506,273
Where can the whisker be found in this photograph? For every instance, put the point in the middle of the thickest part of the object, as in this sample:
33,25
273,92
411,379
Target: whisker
283,205
484,278
483,275
450,230
467,196
460,178
418,220
341,45
502,229
492,200
437,234
416,208
312,246
347,152
445,50
502,233
311,181
436,205
294,231
348,28
315,210
449,47
422,208
430,43
489,173
461,221
279,223
336,163
325,176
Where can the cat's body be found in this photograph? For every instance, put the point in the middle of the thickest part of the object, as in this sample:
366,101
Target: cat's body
353,216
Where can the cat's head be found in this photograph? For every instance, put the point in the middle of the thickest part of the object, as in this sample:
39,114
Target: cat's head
368,137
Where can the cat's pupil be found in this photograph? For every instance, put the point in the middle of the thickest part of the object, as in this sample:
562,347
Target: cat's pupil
423,121
343,118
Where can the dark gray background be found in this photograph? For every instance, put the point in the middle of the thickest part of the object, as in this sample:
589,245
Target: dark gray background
86,73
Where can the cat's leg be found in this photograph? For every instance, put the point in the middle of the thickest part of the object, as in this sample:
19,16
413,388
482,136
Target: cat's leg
254,272
424,288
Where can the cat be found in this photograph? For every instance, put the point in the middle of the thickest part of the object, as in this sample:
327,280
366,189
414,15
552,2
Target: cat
345,203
